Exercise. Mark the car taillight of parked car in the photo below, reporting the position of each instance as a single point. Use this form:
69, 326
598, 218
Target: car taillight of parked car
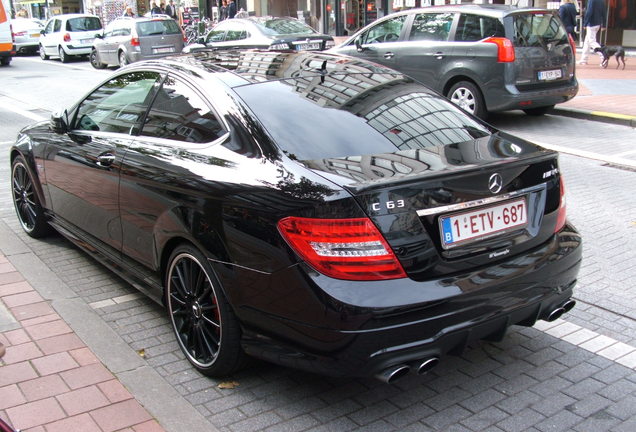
561, 214
350, 249
572, 44
67, 37
134, 39
505, 49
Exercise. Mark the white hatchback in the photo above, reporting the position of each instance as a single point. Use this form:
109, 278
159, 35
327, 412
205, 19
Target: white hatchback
69, 35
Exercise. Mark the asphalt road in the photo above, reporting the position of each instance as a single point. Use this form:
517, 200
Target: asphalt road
576, 374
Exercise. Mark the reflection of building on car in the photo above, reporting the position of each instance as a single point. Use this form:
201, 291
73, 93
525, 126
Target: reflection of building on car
483, 58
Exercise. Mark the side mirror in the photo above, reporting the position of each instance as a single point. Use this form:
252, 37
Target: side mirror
99, 36
59, 122
201, 40
42, 31
358, 43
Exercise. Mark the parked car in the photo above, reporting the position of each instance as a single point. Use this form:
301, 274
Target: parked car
265, 33
69, 35
7, 46
26, 32
314, 210
484, 58
127, 40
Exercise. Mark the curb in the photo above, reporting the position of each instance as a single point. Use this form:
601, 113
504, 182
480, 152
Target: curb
600, 116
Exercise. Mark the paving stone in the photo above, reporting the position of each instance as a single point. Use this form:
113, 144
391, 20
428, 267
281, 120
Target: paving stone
584, 388
624, 409
333, 411
225, 418
589, 405
369, 414
11, 396
342, 424
409, 415
618, 390
562, 421
518, 402
120, 415
44, 387
54, 363
551, 405
484, 419
258, 422
16, 373
296, 424
599, 421
446, 417
82, 400
579, 372
521, 421
35, 413
482, 400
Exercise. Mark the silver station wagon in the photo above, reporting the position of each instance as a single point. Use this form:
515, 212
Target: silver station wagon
127, 40
484, 58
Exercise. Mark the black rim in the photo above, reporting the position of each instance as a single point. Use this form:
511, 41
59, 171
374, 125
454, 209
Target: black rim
194, 311
24, 197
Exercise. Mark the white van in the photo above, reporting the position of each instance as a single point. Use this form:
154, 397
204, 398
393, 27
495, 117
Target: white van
7, 44
69, 35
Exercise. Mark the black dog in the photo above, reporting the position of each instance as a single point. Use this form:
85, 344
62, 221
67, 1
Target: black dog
614, 50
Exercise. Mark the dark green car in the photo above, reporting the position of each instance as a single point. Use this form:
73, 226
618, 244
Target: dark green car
484, 58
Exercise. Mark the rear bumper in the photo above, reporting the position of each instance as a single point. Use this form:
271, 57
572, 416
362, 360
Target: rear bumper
77, 49
362, 341
513, 98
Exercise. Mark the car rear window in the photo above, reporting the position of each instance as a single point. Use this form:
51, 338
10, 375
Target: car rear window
158, 27
537, 30
83, 24
275, 27
351, 115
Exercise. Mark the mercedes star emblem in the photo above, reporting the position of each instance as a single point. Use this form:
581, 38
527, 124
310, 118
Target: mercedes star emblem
495, 183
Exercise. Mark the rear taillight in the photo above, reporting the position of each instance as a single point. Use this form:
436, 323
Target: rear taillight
561, 214
572, 44
351, 249
19, 34
67, 37
134, 38
505, 49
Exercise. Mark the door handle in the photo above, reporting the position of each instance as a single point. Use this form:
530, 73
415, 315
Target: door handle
105, 159
439, 55
389, 55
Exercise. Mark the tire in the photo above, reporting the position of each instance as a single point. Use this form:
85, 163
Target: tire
95, 61
25, 200
64, 58
43, 55
467, 95
204, 324
538, 111
122, 59
5, 61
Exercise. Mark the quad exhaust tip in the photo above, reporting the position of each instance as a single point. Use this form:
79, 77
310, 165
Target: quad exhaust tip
393, 373
565, 307
420, 367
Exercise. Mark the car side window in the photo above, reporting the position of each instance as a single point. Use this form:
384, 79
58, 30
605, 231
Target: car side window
386, 31
119, 104
109, 30
472, 28
49, 27
431, 27
57, 25
233, 35
179, 113
215, 36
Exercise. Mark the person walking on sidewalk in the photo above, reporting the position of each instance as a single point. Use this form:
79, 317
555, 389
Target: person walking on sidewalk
567, 13
593, 21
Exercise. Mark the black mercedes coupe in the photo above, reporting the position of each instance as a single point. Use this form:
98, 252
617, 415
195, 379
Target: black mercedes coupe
313, 210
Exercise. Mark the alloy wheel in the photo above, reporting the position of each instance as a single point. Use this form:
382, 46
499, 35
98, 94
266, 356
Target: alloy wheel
464, 98
24, 197
193, 309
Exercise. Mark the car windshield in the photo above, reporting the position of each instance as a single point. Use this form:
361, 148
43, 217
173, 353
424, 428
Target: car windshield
158, 27
538, 29
283, 26
83, 24
357, 114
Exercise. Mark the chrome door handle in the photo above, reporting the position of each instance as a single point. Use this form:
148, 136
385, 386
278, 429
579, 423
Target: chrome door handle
389, 55
105, 159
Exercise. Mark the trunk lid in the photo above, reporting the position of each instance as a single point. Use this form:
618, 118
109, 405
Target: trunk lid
410, 196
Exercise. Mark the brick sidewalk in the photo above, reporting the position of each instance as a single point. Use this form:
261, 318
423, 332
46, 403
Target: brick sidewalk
49, 380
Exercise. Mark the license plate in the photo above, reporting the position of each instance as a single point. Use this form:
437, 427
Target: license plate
550, 75
86, 41
35, 35
308, 46
461, 228
162, 50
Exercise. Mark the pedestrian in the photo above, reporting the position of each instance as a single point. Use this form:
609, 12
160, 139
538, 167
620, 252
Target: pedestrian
242, 13
567, 13
593, 21
231, 9
162, 8
129, 12
155, 9
171, 10
223, 11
